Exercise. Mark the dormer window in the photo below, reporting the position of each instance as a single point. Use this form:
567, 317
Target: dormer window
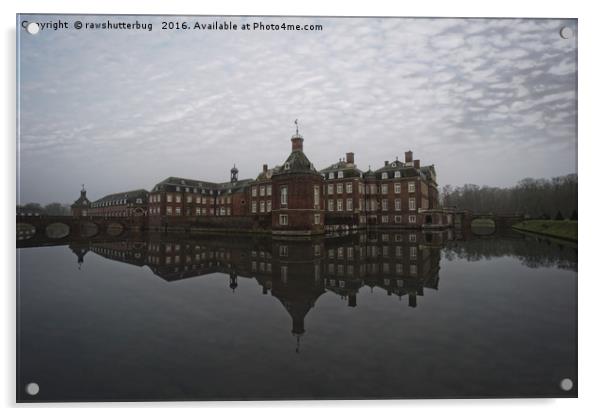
397, 174
340, 174
384, 175
287, 166
331, 175
394, 164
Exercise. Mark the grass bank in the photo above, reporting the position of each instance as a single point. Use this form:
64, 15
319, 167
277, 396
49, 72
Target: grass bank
564, 229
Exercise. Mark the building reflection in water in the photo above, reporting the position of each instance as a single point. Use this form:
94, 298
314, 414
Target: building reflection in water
296, 272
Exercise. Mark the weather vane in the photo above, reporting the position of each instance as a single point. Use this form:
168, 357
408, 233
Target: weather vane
82, 186
297, 125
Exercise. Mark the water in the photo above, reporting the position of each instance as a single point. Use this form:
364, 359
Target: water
380, 315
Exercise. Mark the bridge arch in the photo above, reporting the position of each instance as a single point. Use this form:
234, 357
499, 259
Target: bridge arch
57, 230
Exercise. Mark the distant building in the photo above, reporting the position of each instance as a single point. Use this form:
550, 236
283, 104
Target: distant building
81, 207
123, 204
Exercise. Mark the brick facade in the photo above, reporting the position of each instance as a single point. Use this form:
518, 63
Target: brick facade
294, 198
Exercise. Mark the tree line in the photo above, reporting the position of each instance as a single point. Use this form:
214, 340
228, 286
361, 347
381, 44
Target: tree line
554, 198
54, 208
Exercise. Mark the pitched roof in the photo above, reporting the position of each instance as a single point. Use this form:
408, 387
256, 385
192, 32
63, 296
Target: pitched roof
136, 193
349, 169
211, 186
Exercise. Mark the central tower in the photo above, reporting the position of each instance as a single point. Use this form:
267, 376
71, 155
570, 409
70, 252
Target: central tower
298, 202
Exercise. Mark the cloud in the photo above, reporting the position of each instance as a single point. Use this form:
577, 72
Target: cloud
120, 110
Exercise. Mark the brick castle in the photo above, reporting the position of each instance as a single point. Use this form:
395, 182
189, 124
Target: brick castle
289, 199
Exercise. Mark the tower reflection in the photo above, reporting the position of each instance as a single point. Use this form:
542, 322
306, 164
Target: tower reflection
296, 272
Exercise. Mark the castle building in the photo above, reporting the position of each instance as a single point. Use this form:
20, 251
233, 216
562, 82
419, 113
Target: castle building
123, 204
80, 208
292, 199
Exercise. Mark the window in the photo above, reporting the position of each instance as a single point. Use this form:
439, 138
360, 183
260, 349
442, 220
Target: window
268, 206
413, 253
283, 251
254, 191
268, 190
340, 174
360, 188
397, 188
283, 196
331, 175
411, 187
397, 174
384, 175
361, 204
198, 199
331, 205
412, 204
204, 200
317, 219
261, 206
168, 210
287, 166
384, 189
283, 219
330, 189
316, 196
384, 204
253, 207
398, 219
349, 204
384, 219
339, 204
178, 211
169, 198
198, 211
138, 200
178, 198
398, 204
189, 199
262, 191
284, 273
412, 239
178, 188
349, 187
412, 219
204, 211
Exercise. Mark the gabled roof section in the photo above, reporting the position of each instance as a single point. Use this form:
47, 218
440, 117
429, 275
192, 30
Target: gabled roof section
136, 193
348, 169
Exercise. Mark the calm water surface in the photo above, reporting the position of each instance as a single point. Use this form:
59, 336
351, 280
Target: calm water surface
379, 315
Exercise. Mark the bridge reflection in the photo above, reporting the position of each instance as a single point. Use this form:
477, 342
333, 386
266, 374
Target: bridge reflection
400, 264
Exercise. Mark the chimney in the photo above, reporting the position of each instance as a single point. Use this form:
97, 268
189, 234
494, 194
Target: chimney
386, 163
417, 164
409, 156
297, 142
265, 168
350, 157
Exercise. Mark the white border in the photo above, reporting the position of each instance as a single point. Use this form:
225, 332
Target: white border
590, 70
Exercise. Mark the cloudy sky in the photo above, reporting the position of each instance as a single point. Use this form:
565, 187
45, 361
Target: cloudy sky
488, 102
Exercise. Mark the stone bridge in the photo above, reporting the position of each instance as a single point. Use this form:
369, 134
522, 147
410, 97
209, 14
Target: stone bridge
50, 230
